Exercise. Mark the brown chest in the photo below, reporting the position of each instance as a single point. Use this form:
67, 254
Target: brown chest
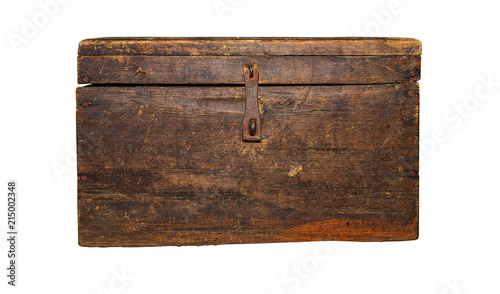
197, 141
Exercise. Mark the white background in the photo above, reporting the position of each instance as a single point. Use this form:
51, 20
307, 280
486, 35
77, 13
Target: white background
458, 249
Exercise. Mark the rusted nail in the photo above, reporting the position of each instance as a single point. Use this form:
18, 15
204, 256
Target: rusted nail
405, 116
252, 127
412, 93
85, 104
83, 177
85, 79
413, 174
413, 73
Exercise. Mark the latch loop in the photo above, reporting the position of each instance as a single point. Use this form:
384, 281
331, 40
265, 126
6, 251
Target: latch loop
251, 131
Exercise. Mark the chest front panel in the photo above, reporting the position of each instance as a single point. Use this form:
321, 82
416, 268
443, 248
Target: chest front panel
161, 160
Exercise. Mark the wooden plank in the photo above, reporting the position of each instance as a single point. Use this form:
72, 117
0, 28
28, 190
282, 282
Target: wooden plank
275, 70
250, 46
167, 166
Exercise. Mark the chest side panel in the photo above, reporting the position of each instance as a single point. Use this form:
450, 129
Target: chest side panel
167, 166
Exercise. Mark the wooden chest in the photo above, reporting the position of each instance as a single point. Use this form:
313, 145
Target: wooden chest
194, 141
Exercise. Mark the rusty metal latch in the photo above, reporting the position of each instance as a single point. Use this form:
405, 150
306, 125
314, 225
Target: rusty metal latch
251, 130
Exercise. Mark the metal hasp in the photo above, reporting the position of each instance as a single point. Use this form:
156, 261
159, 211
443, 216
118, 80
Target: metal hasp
251, 129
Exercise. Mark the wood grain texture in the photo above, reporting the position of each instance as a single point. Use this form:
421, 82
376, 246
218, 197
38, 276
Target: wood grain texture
250, 46
165, 165
274, 70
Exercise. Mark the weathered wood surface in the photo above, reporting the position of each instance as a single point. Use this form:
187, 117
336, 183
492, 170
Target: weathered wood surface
167, 166
250, 46
277, 70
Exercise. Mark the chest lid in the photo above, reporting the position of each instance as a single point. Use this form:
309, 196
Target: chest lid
223, 61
